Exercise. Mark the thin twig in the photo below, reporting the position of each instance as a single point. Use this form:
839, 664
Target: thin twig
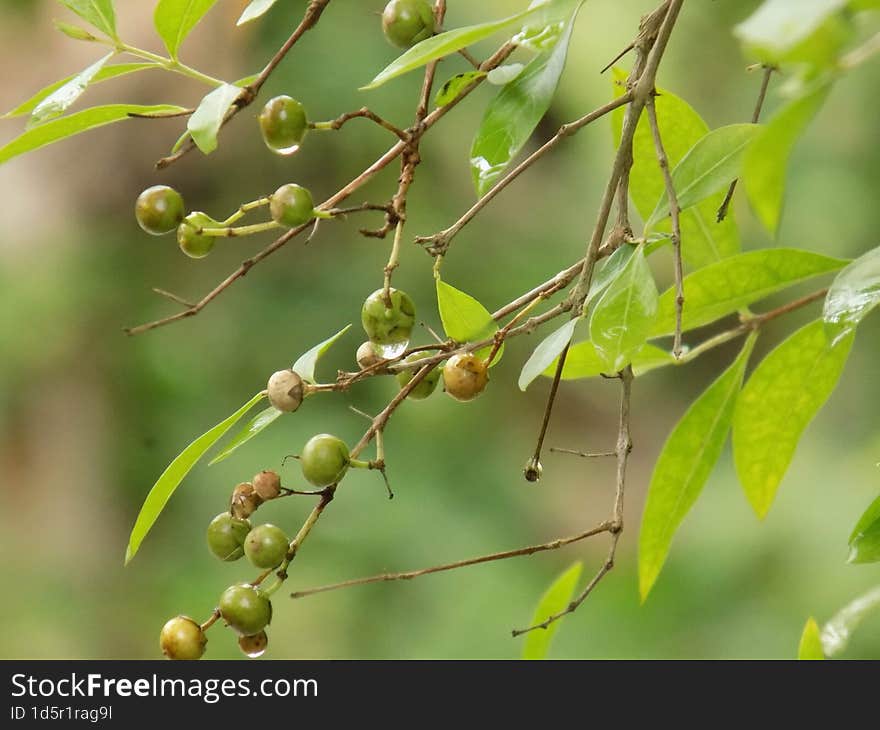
535, 463
362, 113
583, 454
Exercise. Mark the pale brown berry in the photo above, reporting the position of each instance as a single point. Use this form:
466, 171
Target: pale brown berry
367, 356
285, 390
244, 501
267, 484
182, 638
465, 376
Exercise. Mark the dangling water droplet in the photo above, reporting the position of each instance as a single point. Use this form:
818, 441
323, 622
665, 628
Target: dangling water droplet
389, 351
286, 151
255, 653
254, 646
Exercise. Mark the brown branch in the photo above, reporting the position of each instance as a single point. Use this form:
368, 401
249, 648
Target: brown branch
520, 552
756, 115
362, 113
533, 468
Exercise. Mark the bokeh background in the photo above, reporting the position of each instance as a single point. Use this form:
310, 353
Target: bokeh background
89, 417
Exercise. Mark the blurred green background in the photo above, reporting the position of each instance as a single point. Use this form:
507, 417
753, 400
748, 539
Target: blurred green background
89, 418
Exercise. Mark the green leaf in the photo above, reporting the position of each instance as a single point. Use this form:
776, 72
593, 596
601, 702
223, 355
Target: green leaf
105, 73
252, 428
512, 116
767, 157
174, 474
780, 399
584, 362
860, 5
555, 600
464, 318
624, 315
864, 543
305, 365
56, 103
452, 41
174, 19
778, 26
707, 168
837, 632
684, 466
810, 646
703, 239
58, 129
204, 124
450, 91
73, 31
610, 270
726, 287
853, 294
504, 74
255, 10
545, 353
99, 13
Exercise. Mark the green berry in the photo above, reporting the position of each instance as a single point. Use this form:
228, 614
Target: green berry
406, 22
266, 546
254, 646
245, 609
226, 536
182, 638
159, 210
426, 386
324, 460
465, 376
285, 390
194, 244
388, 325
284, 124
292, 205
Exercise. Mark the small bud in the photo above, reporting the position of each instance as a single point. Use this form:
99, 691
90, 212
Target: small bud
285, 390
244, 501
267, 484
533, 470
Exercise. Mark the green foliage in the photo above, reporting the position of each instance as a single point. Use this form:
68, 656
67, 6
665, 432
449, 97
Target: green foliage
546, 353
853, 294
64, 127
450, 90
624, 315
837, 632
174, 19
707, 168
464, 318
99, 13
810, 646
174, 474
728, 286
205, 122
56, 103
767, 157
255, 10
777, 404
306, 363
684, 466
584, 362
555, 600
254, 427
74, 31
512, 116
864, 542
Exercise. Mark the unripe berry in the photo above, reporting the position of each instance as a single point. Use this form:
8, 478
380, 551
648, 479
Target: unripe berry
254, 646
284, 124
406, 22
285, 390
388, 324
324, 460
194, 244
267, 484
266, 546
159, 210
182, 638
226, 535
465, 376
292, 205
426, 386
367, 355
245, 609
244, 501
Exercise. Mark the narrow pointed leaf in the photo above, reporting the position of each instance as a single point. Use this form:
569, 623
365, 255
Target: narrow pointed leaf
837, 632
105, 73
767, 157
450, 91
174, 474
726, 287
545, 353
464, 318
513, 114
73, 31
684, 466
708, 167
252, 428
777, 404
255, 10
610, 270
864, 543
810, 646
56, 103
204, 124
624, 315
306, 364
584, 362
63, 127
555, 600
99, 13
174, 19
853, 294
778, 26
